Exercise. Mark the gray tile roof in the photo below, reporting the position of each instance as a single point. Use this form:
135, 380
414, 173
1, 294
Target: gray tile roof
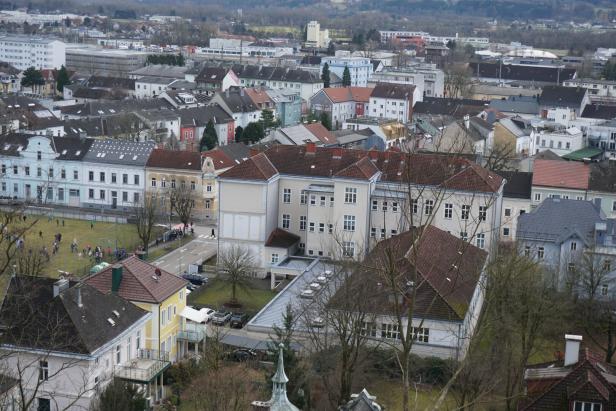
120, 152
516, 104
555, 220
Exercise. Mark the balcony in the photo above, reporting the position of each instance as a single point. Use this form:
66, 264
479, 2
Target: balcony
192, 332
148, 365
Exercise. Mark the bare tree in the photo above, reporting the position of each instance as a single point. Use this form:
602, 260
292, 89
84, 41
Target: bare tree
146, 215
236, 264
183, 201
457, 81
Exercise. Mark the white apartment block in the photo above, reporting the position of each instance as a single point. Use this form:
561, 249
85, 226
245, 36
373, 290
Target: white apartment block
25, 51
360, 68
561, 141
596, 88
315, 37
338, 203
429, 80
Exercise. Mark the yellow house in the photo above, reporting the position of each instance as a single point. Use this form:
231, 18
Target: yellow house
154, 290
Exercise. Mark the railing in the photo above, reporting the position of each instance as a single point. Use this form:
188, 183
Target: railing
192, 333
150, 354
145, 367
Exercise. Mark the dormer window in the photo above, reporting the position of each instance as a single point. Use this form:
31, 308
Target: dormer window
586, 406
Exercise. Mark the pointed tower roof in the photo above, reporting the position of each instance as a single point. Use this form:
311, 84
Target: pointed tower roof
280, 377
279, 400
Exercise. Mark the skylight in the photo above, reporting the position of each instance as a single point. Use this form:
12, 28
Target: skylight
110, 321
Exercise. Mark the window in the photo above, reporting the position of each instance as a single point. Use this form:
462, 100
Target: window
43, 404
382, 233
113, 178
483, 212
368, 329
373, 232
604, 289
136, 179
153, 182
91, 193
321, 227
349, 223
331, 201
540, 253
586, 406
527, 251
15, 170
313, 199
286, 221
102, 194
428, 207
302, 246
466, 211
350, 195
571, 267
286, 196
138, 340
537, 196
208, 188
506, 231
384, 205
573, 246
481, 240
375, 205
39, 172
124, 178
348, 248
135, 197
311, 227
420, 334
394, 207
163, 183
75, 175
579, 198
90, 175
38, 155
448, 210
119, 353
507, 212
125, 196
43, 370
390, 331
302, 223
322, 201
274, 259
330, 228
607, 265
414, 205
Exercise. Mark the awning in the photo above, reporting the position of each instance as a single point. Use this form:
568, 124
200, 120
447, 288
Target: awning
193, 315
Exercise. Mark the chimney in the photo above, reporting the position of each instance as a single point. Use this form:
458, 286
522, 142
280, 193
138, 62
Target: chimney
467, 121
116, 277
572, 348
59, 286
311, 148
337, 152
79, 302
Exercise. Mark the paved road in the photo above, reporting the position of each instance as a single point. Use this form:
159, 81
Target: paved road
178, 260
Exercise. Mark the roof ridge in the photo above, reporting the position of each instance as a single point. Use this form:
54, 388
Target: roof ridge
136, 277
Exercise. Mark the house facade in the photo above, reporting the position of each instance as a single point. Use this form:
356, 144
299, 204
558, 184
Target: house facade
394, 101
360, 68
341, 103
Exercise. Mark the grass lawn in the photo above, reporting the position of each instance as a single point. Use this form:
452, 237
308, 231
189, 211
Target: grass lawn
218, 292
104, 235
389, 395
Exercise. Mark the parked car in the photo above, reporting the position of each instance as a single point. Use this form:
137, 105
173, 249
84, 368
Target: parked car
238, 320
195, 279
221, 317
243, 354
209, 313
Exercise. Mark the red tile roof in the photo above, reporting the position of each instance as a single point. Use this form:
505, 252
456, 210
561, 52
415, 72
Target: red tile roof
138, 282
257, 167
320, 132
562, 174
362, 169
180, 160
344, 94
219, 158
426, 169
258, 96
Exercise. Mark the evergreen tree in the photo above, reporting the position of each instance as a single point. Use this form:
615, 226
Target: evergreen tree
609, 71
180, 60
297, 387
120, 395
239, 133
32, 78
325, 76
267, 119
325, 120
253, 132
209, 140
346, 77
62, 79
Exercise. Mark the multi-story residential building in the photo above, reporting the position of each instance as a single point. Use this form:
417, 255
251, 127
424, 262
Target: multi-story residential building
516, 201
393, 101
559, 179
168, 170
151, 87
360, 68
154, 290
429, 80
216, 162
112, 62
341, 103
27, 51
558, 139
65, 342
43, 169
603, 135
338, 202
559, 97
315, 37
238, 105
597, 89
562, 233
194, 120
601, 188
114, 173
305, 82
217, 79
288, 105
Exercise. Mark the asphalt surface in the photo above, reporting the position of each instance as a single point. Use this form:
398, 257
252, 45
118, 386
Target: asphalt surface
201, 247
